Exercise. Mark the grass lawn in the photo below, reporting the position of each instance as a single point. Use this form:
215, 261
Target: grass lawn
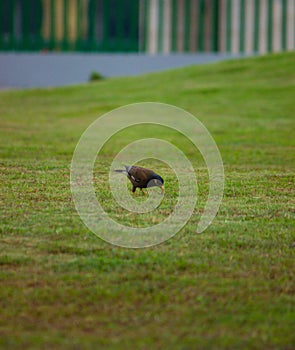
230, 287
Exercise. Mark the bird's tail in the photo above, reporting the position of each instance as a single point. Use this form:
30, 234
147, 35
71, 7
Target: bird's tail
123, 171
120, 171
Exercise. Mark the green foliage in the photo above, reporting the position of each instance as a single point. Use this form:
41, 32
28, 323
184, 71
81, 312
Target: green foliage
230, 287
95, 76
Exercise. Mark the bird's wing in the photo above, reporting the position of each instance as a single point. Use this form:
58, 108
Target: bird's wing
140, 175
133, 173
135, 179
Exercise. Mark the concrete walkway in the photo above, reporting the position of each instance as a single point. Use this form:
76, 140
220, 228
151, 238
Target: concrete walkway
25, 70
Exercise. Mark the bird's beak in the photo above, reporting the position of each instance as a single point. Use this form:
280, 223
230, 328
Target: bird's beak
163, 189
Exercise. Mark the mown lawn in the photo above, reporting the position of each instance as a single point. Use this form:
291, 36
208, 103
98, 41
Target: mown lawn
229, 287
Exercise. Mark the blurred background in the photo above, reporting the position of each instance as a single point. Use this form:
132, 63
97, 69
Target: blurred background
57, 42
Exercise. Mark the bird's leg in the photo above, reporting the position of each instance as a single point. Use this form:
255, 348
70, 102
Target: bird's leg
144, 193
134, 190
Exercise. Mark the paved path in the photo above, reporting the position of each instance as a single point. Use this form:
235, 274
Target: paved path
23, 70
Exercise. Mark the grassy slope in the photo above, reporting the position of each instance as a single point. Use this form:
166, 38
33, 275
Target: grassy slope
232, 286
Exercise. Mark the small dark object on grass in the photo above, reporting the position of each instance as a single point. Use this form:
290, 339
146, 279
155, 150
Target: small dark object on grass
142, 178
95, 76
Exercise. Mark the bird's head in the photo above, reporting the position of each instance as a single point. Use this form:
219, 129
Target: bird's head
156, 181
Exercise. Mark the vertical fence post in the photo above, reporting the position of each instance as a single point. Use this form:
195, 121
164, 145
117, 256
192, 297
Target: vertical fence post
160, 26
1, 25
6, 24
215, 25
65, 41
269, 26
256, 26
174, 25
106, 27
13, 25
141, 25
90, 16
78, 21
146, 20
26, 15
40, 39
119, 40
201, 28
134, 25
52, 25
187, 25
242, 26
284, 24
228, 25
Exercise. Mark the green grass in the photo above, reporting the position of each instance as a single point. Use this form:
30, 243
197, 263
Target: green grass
229, 287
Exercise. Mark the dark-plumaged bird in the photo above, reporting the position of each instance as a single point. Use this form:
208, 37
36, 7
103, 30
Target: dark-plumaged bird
142, 178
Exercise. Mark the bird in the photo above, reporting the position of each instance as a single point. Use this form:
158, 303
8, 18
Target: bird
142, 178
